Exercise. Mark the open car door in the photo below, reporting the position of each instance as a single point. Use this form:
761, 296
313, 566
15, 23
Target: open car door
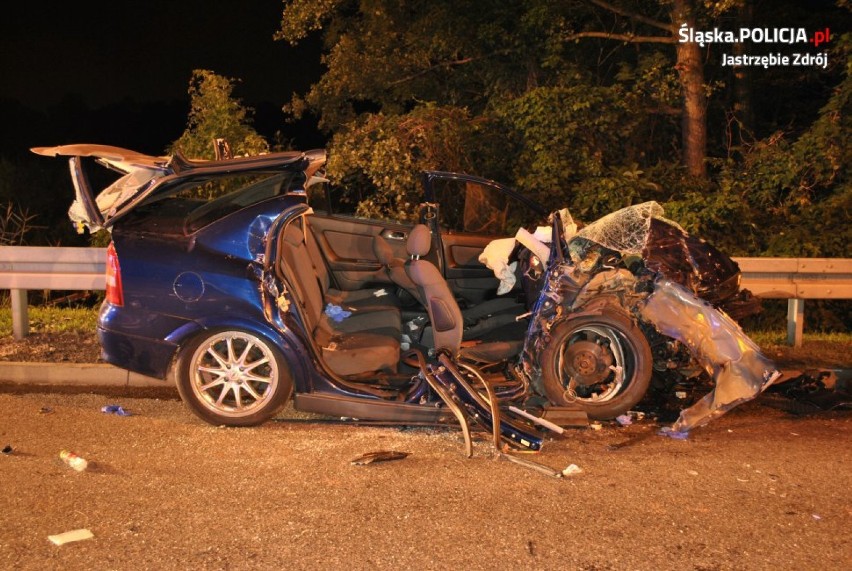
346, 238
465, 213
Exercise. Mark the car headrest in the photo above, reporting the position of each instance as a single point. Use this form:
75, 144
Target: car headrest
419, 241
382, 251
293, 235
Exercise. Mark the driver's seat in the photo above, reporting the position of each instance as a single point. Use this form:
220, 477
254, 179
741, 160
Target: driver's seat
444, 312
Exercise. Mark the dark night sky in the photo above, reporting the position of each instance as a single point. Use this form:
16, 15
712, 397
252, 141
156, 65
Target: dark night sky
108, 53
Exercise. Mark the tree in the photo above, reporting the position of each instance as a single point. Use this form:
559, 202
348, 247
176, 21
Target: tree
471, 54
689, 65
542, 116
215, 114
594, 104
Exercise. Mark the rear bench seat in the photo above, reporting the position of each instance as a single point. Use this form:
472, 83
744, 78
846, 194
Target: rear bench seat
366, 341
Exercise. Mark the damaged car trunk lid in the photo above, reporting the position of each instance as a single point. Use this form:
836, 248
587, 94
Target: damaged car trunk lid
142, 175
139, 173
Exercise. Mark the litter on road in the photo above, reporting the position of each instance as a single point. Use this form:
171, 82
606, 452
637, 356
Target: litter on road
71, 536
380, 456
115, 409
74, 461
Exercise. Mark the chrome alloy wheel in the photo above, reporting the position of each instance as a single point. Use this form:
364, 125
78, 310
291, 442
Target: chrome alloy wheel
233, 373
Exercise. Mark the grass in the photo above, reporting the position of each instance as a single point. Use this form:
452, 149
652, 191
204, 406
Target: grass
823, 350
45, 319
772, 338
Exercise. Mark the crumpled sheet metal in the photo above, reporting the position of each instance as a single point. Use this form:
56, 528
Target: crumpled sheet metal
739, 369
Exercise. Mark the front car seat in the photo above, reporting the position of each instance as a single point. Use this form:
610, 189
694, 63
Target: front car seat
444, 313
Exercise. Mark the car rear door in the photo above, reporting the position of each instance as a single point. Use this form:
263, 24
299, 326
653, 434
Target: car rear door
346, 238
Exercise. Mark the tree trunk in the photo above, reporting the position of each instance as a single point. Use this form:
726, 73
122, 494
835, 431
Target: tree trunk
742, 80
691, 69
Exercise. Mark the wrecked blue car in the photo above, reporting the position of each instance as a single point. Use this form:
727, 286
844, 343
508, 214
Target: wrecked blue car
251, 281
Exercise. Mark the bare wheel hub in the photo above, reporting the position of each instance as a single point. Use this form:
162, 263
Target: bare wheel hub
587, 362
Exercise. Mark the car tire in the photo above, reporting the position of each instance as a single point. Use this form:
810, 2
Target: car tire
232, 377
580, 365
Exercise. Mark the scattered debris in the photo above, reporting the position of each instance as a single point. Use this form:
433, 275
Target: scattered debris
73, 461
624, 419
672, 433
595, 425
538, 420
45, 410
380, 456
8, 449
571, 470
817, 517
115, 409
70, 536
541, 468
692, 472
565, 416
807, 392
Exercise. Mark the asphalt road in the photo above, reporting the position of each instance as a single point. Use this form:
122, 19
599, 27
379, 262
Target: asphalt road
757, 489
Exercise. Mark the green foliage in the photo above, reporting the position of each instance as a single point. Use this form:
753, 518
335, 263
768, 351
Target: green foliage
569, 138
304, 16
215, 114
800, 192
496, 89
387, 152
390, 55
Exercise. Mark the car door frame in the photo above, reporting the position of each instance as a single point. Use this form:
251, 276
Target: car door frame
458, 251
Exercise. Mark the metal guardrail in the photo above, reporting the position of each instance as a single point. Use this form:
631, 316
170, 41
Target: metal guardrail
796, 279
24, 268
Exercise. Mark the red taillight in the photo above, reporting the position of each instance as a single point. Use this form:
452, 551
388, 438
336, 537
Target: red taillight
114, 293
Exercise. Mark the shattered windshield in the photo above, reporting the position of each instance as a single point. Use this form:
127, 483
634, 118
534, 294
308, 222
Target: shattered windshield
626, 230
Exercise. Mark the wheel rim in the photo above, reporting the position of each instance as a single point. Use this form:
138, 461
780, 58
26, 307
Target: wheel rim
234, 373
594, 365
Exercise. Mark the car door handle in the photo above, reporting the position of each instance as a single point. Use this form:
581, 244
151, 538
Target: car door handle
394, 235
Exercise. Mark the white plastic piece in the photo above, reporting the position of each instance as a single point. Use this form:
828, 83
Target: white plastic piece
536, 246
495, 256
572, 470
70, 536
538, 420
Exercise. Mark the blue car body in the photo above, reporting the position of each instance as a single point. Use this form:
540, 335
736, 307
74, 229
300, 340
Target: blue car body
183, 275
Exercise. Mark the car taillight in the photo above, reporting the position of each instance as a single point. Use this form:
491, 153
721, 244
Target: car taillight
114, 293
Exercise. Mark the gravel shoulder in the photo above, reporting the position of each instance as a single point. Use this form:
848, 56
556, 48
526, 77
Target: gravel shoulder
755, 489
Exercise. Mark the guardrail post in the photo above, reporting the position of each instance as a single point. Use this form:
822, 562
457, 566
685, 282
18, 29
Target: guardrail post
795, 321
20, 318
